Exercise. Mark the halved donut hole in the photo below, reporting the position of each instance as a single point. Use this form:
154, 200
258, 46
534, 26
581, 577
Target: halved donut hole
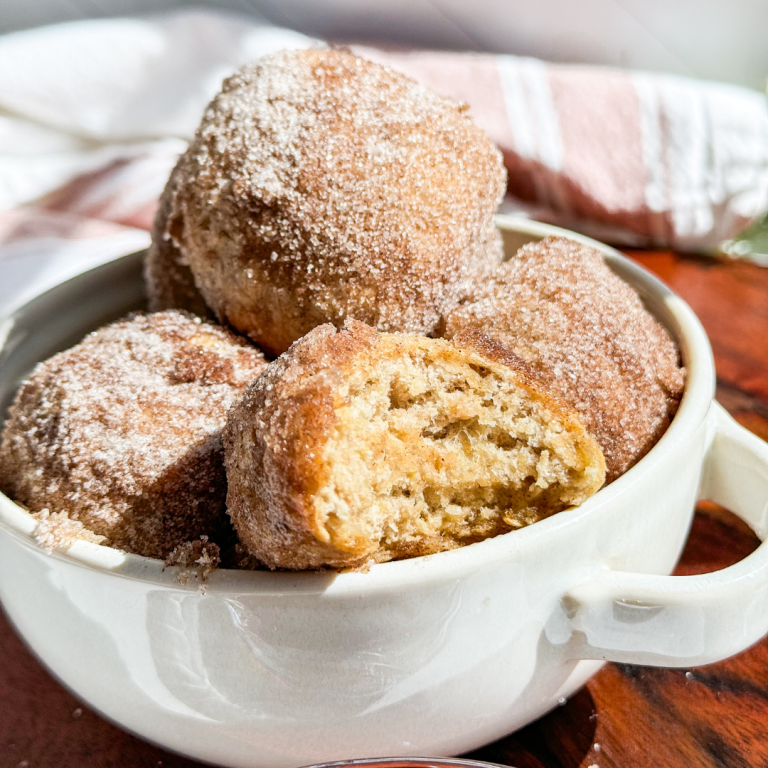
436, 451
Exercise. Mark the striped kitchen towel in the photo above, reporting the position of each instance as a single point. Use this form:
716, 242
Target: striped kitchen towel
629, 157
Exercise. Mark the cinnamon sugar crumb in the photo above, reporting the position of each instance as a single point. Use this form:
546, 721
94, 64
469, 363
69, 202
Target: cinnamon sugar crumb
200, 558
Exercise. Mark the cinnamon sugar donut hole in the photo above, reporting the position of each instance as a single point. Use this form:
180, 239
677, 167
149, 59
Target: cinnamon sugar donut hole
356, 447
322, 186
123, 431
587, 335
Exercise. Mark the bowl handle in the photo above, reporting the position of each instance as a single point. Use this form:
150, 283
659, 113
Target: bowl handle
681, 621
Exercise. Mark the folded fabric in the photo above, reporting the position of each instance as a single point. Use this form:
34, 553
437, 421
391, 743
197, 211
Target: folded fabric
93, 115
628, 157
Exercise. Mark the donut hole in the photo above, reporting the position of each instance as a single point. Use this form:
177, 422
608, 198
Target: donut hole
348, 189
436, 452
584, 332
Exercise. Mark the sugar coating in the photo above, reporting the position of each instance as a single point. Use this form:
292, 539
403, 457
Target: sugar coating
169, 280
585, 332
122, 433
321, 186
57, 532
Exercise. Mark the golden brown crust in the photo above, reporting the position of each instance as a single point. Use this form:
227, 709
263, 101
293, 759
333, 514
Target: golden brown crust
169, 280
322, 186
123, 431
491, 348
299, 495
586, 335
276, 433
487, 346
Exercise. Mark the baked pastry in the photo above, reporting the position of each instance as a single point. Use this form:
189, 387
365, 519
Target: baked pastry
585, 332
322, 186
169, 281
123, 431
357, 447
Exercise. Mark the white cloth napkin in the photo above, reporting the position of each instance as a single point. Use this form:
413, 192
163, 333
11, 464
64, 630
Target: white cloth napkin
94, 114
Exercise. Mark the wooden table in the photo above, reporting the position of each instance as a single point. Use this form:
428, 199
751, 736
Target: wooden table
626, 716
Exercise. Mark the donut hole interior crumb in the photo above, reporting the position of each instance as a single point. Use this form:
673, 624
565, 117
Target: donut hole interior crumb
431, 447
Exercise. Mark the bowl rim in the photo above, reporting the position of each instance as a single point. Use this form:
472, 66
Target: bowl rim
410, 573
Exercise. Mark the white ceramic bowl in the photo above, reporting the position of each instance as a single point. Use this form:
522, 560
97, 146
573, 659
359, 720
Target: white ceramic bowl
435, 655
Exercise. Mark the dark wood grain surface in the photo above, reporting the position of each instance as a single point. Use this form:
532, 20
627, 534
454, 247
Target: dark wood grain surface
626, 716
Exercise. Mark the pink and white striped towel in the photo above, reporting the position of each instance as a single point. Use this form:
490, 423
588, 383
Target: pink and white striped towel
629, 157
94, 114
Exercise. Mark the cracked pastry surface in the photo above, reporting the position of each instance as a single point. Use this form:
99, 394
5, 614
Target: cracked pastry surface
587, 335
357, 447
122, 433
321, 186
